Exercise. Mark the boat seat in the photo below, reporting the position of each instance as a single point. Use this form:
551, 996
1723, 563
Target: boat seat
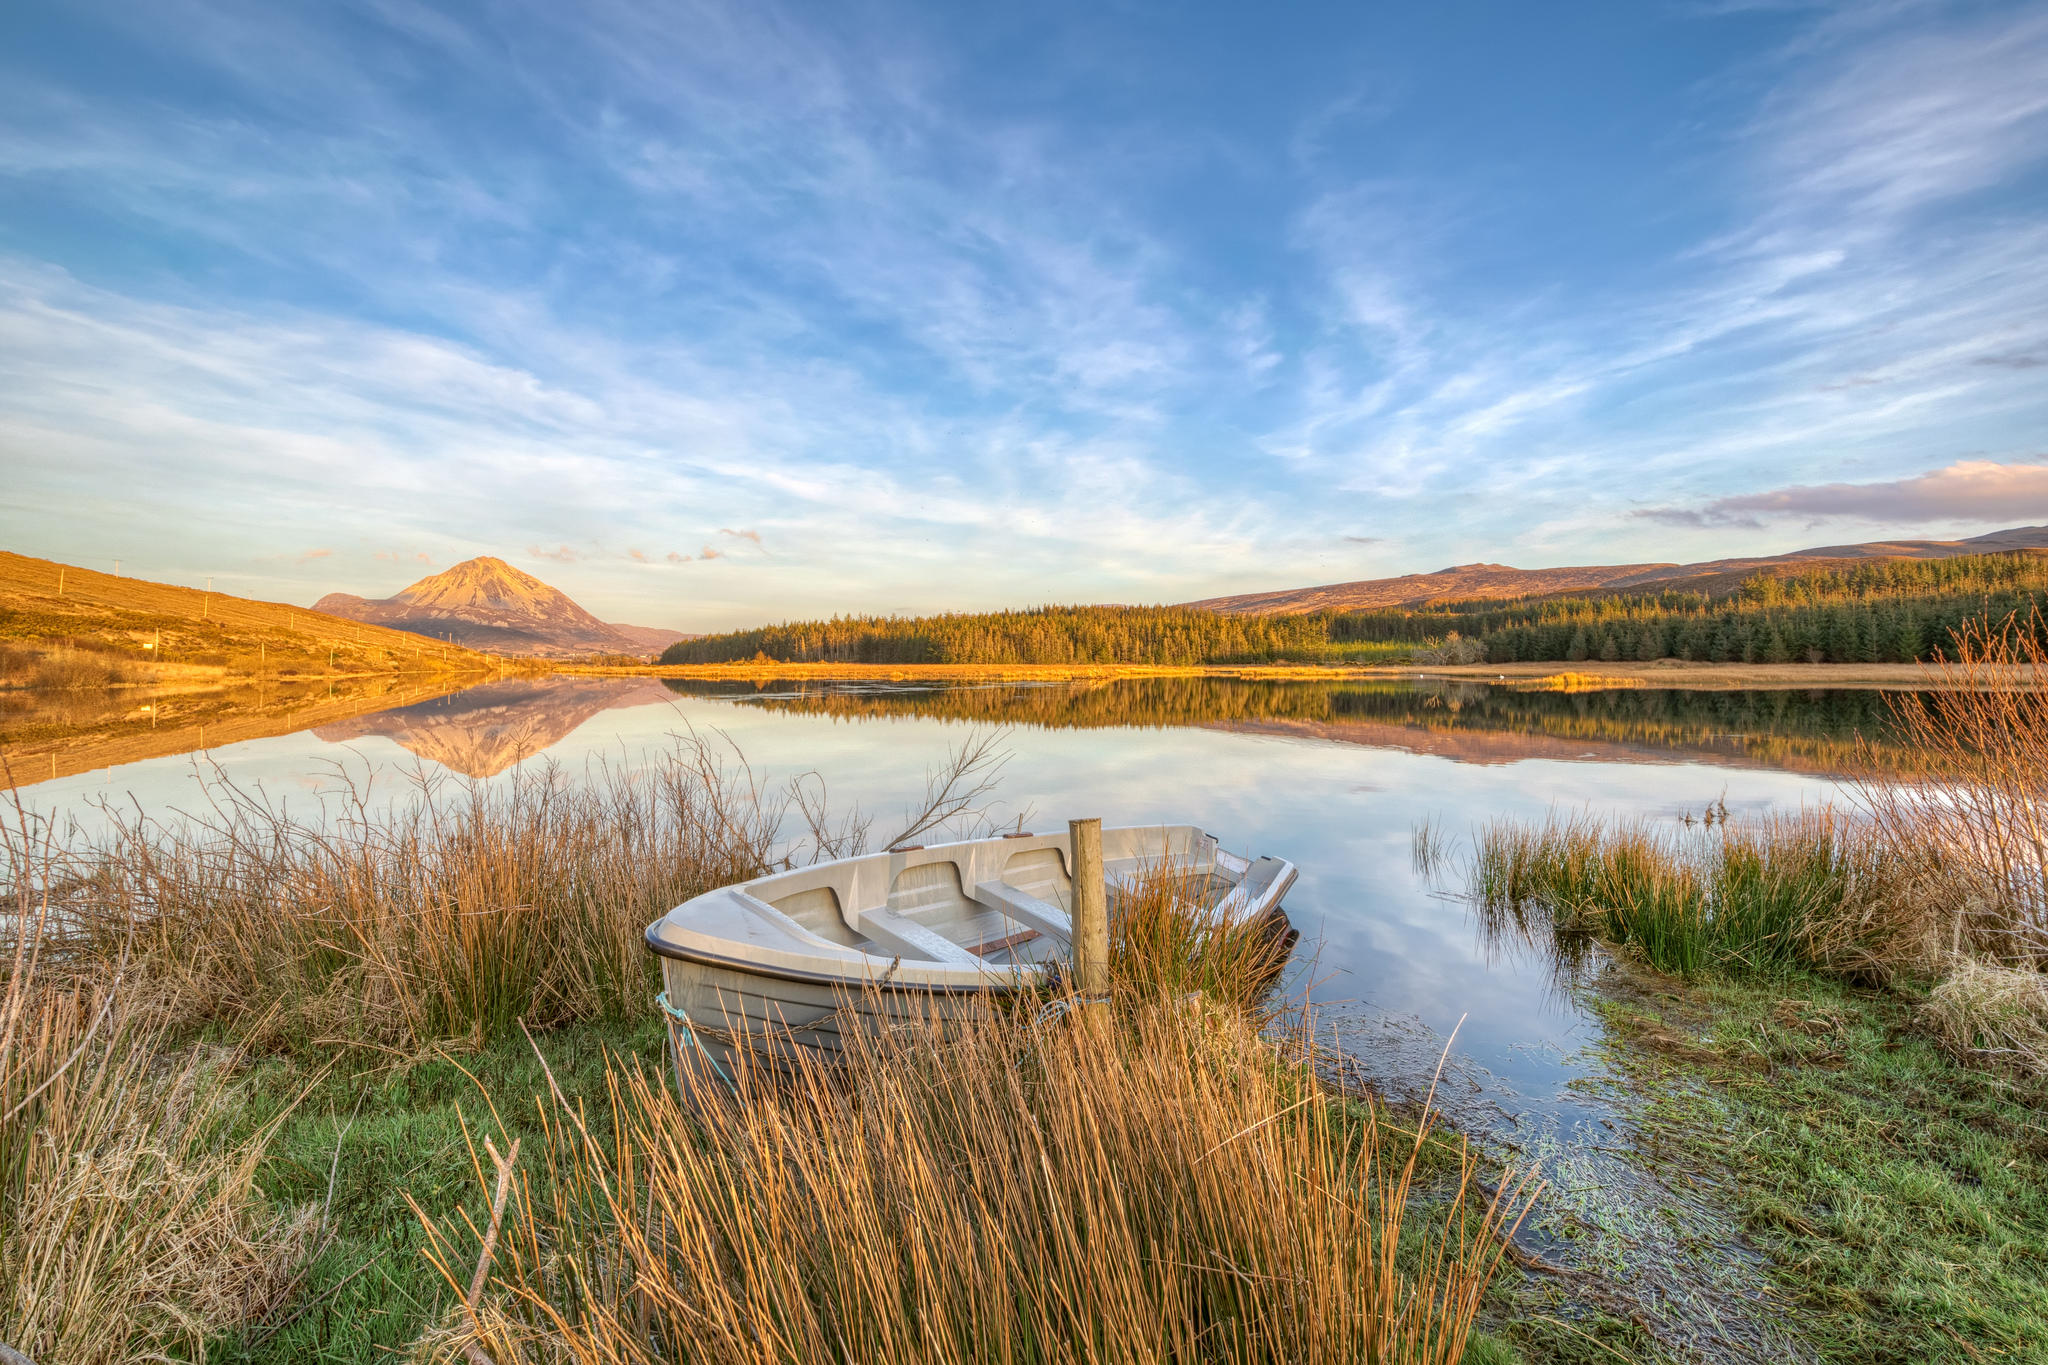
1026, 909
1253, 885
908, 938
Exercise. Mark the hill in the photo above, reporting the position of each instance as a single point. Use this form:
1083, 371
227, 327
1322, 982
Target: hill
63, 625
1496, 582
485, 603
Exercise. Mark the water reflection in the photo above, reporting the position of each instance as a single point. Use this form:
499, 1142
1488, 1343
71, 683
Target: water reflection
1817, 731
482, 731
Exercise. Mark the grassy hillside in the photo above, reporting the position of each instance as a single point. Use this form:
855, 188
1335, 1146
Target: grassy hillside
67, 627
1884, 611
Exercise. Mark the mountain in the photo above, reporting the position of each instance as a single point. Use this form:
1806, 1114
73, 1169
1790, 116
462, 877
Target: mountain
1469, 582
485, 603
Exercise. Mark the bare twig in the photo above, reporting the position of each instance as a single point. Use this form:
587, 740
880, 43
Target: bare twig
483, 1261
971, 772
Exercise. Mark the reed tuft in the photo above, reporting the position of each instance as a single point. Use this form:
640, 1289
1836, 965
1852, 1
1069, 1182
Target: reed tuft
1148, 1183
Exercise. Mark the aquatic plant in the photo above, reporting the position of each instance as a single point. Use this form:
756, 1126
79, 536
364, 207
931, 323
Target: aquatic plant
1741, 897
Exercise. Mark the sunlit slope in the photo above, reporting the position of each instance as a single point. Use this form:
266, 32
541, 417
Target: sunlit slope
138, 631
1500, 582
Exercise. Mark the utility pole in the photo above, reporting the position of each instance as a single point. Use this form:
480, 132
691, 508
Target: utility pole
117, 568
60, 581
203, 601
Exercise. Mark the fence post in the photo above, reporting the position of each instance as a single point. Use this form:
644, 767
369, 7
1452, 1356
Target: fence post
1091, 908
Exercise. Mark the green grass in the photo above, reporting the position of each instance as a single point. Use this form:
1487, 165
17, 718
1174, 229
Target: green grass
401, 1130
1902, 1200
1737, 899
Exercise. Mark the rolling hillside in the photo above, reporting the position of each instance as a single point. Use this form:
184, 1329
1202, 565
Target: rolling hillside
58, 617
1492, 582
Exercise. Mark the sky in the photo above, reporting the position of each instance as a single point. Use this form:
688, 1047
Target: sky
717, 314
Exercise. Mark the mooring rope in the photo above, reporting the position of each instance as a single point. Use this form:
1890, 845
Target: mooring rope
678, 1022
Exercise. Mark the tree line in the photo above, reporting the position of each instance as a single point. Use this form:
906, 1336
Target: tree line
1888, 611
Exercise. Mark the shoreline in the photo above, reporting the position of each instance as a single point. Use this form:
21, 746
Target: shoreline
1590, 676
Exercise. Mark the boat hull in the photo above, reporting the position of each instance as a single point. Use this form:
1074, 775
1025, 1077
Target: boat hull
784, 968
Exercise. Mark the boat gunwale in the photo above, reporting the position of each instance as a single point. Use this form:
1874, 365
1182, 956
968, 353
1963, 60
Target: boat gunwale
996, 978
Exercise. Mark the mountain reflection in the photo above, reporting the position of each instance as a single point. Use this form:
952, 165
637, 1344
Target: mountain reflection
483, 730
1817, 731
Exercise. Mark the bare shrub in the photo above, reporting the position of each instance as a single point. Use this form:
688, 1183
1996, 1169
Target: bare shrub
1452, 649
1966, 820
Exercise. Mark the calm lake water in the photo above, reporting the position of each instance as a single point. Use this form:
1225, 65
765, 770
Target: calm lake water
1334, 776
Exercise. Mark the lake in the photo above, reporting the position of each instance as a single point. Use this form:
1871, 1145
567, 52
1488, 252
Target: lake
1335, 776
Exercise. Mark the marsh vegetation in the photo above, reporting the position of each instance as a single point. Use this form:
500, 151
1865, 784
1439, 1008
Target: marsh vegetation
251, 1062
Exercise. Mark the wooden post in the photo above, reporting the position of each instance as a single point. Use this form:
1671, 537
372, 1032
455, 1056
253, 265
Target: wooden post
1090, 908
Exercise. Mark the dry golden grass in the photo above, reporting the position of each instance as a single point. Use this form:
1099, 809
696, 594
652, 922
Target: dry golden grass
1144, 1184
1970, 816
130, 1221
449, 915
1578, 682
1988, 1015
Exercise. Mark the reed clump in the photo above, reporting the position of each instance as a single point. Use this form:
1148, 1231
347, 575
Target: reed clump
1172, 934
131, 1224
1936, 880
448, 912
1742, 897
62, 667
1147, 1183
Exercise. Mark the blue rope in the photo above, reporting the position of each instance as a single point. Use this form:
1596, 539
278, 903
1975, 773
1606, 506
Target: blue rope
680, 1022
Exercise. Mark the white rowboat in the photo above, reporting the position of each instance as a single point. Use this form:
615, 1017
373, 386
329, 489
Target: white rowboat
786, 958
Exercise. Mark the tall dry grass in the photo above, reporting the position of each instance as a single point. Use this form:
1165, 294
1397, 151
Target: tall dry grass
449, 913
1169, 937
62, 667
131, 1225
1146, 1183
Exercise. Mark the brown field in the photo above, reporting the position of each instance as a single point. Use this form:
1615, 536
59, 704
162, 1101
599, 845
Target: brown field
156, 633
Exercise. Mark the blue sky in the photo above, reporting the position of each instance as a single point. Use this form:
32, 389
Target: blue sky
715, 313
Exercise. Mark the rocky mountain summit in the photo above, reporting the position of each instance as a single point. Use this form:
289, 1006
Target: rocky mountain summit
487, 604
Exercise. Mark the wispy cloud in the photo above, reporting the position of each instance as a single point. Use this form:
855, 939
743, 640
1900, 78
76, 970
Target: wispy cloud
610, 277
1969, 490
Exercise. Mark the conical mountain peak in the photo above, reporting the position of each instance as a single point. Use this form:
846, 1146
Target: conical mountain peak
486, 603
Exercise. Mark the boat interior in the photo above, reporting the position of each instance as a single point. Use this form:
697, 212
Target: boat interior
981, 903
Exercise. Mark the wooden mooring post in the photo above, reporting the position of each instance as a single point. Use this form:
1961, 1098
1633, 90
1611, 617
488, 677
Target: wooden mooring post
1091, 908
